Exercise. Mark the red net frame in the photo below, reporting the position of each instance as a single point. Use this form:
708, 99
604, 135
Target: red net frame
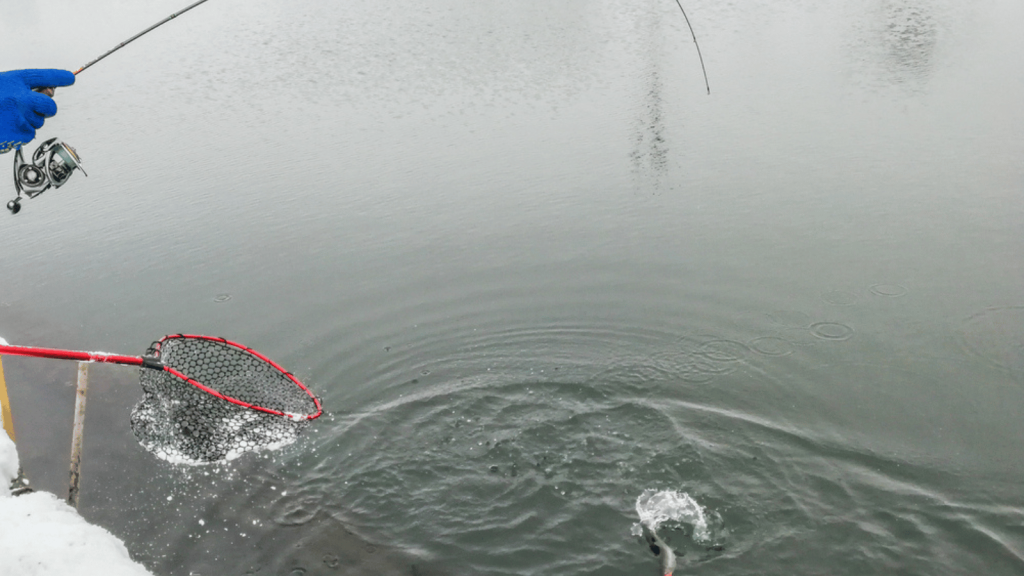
155, 351
206, 399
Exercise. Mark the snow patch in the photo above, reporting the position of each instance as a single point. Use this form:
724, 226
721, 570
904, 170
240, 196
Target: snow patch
43, 536
8, 464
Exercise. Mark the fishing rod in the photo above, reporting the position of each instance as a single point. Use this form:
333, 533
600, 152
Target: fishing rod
139, 35
53, 163
699, 56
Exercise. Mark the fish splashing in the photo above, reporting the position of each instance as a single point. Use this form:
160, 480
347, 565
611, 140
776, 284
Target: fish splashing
655, 507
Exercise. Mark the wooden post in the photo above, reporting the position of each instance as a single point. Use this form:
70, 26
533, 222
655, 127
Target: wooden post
76, 438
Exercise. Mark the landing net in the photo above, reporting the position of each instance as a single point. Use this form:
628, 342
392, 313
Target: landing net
216, 400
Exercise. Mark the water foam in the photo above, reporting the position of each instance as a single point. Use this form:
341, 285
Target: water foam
655, 507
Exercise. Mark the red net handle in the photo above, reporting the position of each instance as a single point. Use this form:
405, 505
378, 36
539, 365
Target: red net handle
70, 355
81, 356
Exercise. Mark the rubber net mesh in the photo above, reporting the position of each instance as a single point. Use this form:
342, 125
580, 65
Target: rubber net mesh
181, 423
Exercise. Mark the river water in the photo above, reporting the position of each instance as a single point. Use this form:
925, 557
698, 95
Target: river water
534, 270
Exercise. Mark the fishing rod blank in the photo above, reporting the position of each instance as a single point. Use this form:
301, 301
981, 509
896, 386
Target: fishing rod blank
704, 70
140, 34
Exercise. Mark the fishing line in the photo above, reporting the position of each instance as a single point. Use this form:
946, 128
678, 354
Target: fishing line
699, 56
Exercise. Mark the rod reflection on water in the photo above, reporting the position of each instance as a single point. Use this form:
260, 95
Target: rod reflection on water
896, 42
650, 153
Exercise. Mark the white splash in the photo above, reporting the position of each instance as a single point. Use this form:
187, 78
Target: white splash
657, 506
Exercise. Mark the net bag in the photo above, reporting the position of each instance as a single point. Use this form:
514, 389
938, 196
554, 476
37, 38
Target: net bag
210, 400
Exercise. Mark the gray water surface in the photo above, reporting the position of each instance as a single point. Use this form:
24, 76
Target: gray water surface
533, 269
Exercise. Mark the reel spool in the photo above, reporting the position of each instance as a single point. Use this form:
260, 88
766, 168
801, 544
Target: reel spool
52, 164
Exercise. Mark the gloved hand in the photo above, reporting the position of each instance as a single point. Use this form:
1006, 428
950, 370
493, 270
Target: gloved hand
23, 111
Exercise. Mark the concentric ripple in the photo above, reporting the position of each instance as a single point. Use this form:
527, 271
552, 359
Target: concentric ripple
771, 346
889, 290
831, 331
722, 350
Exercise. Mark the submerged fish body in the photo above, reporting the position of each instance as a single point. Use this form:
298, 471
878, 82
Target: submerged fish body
662, 551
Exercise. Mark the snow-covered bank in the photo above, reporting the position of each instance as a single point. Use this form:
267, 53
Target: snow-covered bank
40, 535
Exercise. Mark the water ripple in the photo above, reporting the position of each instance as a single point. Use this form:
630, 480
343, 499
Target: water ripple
832, 331
888, 290
771, 346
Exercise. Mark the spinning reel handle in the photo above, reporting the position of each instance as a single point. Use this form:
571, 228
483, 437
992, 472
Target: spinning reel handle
47, 90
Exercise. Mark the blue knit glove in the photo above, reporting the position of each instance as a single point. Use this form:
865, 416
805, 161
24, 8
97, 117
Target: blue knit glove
23, 111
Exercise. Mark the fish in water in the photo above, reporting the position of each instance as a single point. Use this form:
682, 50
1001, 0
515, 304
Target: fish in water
661, 551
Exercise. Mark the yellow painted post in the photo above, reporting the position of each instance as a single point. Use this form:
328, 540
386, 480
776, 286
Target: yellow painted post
20, 484
5, 405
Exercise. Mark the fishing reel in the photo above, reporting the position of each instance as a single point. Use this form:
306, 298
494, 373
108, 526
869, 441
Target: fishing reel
52, 164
